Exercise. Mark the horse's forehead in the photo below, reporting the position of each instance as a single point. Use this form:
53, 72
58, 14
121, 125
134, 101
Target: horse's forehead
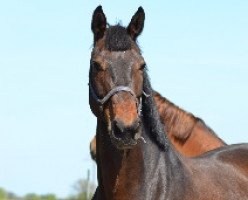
115, 56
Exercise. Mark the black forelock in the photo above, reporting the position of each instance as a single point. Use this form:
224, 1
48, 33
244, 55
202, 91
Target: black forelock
117, 39
152, 118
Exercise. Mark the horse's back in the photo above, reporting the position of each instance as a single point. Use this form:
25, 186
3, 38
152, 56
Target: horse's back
221, 173
235, 156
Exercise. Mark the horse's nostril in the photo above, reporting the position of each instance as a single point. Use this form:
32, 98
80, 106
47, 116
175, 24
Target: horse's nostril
118, 129
121, 131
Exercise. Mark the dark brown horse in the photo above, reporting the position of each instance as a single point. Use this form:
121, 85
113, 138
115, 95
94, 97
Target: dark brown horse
135, 159
189, 134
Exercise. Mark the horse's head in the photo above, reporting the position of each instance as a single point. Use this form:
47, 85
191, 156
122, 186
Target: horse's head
116, 77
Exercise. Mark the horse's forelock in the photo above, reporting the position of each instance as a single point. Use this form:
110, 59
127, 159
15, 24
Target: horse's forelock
117, 39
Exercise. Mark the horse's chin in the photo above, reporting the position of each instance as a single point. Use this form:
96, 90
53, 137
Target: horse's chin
122, 144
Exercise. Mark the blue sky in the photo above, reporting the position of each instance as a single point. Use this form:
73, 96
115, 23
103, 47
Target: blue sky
196, 52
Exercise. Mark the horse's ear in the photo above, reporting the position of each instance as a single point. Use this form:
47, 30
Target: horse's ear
98, 23
136, 25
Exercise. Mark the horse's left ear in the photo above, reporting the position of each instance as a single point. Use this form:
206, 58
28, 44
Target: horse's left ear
98, 23
137, 24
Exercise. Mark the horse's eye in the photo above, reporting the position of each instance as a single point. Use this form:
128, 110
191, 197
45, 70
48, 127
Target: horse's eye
96, 65
143, 66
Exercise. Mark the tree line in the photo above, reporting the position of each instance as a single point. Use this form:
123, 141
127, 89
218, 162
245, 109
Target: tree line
84, 190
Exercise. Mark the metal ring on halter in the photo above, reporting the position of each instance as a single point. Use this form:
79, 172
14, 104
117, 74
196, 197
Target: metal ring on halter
145, 94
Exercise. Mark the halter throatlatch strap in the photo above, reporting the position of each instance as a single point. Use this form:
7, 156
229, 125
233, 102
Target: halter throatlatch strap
112, 92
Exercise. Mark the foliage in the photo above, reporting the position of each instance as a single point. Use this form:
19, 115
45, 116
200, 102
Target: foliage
84, 190
48, 197
3, 194
31, 196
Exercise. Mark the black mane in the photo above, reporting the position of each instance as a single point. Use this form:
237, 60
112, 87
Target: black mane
117, 39
151, 116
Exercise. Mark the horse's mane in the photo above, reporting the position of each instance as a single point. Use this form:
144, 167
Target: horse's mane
151, 116
178, 122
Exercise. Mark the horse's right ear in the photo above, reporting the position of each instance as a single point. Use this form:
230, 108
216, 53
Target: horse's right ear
136, 25
98, 23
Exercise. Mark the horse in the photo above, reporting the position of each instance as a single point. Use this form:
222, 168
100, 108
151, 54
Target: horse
189, 134
135, 159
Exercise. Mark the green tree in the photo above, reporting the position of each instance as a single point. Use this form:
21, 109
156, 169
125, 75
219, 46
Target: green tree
31, 196
12, 196
48, 197
84, 189
3, 194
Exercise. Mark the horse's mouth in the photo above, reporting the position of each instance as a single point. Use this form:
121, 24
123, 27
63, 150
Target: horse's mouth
123, 143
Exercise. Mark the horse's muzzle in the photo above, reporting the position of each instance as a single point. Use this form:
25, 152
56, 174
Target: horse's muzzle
125, 137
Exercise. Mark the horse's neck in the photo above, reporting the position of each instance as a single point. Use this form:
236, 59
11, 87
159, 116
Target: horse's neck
138, 173
186, 131
178, 123
200, 133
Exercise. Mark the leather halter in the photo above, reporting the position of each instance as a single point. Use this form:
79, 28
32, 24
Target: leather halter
112, 92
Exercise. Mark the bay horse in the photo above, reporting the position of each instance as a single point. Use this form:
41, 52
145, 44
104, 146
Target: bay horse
135, 159
189, 134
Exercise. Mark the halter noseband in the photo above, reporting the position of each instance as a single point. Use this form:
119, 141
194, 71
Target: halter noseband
112, 92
